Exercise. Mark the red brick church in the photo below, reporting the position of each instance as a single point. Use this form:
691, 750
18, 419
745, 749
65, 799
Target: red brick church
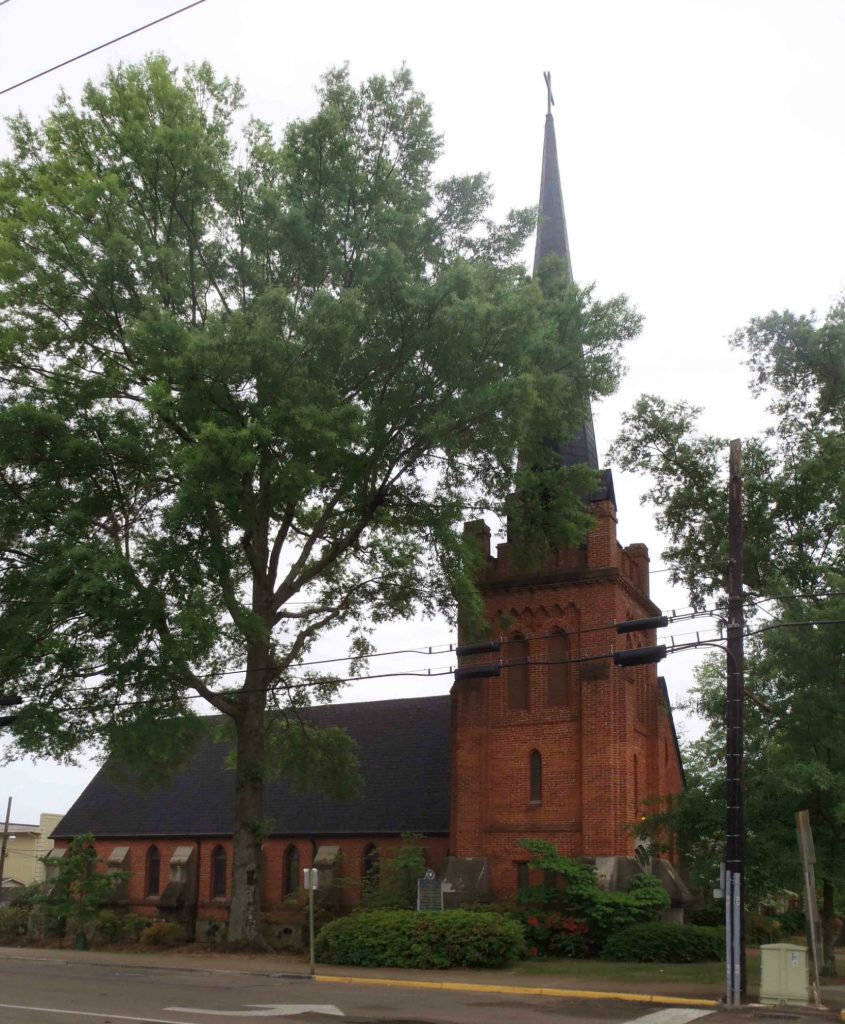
560, 746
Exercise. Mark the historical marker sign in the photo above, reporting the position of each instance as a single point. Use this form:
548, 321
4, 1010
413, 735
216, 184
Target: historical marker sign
429, 892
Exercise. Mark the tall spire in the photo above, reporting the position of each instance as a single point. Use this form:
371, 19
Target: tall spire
552, 239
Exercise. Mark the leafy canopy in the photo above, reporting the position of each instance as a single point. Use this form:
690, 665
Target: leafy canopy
249, 387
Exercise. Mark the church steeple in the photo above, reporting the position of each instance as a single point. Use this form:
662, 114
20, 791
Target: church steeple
552, 239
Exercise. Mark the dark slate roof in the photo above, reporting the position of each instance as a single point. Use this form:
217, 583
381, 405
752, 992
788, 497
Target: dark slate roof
403, 750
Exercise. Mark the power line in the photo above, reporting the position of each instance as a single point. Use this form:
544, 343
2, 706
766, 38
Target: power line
101, 46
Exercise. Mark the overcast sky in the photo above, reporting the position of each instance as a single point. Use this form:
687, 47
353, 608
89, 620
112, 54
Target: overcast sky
702, 157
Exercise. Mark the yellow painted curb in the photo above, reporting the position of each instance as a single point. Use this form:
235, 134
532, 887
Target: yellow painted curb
519, 990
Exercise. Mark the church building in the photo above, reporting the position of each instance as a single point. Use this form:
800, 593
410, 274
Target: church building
561, 745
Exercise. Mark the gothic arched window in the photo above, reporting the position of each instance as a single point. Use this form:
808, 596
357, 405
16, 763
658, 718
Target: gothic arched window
153, 873
370, 866
219, 868
517, 674
535, 777
290, 871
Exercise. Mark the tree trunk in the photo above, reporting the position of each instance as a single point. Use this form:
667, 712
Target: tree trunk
245, 907
828, 964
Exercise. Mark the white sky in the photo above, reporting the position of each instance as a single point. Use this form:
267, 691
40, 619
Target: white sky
701, 150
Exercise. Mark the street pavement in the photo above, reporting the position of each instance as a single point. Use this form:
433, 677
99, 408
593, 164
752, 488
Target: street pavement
40, 986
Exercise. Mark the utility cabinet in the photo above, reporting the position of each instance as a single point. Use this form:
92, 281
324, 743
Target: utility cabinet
784, 974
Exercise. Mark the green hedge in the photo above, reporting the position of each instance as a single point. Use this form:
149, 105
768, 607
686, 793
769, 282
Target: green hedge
666, 943
406, 938
13, 923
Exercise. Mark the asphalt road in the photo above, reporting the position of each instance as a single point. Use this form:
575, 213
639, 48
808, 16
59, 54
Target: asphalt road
39, 992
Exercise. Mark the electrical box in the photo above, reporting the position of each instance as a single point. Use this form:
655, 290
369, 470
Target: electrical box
784, 974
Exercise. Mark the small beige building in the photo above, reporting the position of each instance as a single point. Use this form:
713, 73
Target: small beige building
25, 847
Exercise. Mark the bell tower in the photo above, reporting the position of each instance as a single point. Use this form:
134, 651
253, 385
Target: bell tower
562, 745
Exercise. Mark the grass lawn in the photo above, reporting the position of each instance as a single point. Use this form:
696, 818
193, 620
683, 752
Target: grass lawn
607, 971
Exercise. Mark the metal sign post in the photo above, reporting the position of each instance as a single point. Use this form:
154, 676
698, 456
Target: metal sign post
311, 878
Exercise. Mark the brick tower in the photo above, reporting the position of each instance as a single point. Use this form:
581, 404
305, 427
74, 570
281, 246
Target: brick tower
560, 747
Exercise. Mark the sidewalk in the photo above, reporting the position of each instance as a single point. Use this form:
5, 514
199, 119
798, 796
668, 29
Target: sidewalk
503, 981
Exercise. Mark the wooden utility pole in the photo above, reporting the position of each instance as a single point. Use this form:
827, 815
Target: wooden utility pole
735, 723
3, 845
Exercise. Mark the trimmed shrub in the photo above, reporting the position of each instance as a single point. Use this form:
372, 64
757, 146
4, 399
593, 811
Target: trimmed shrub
711, 915
132, 926
163, 933
792, 922
760, 929
13, 923
575, 894
105, 928
666, 943
406, 938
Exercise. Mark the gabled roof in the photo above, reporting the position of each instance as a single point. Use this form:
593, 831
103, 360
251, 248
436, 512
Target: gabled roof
403, 750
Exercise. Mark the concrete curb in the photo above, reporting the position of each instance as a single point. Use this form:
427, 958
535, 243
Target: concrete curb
521, 990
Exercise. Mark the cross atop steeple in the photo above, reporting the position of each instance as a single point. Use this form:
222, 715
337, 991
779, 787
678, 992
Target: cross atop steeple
551, 222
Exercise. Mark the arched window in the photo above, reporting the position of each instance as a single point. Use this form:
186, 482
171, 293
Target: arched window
290, 871
370, 866
535, 777
559, 670
218, 872
153, 871
518, 674
521, 874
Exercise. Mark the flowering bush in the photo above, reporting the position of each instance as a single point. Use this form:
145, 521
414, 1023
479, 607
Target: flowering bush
571, 915
552, 933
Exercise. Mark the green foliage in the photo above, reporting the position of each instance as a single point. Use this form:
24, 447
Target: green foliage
78, 892
584, 910
405, 938
399, 869
132, 926
550, 933
106, 927
251, 385
163, 933
13, 924
794, 560
216, 934
792, 922
761, 929
665, 943
26, 896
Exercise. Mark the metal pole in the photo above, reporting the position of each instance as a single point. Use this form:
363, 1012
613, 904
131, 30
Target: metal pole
311, 880
3, 845
729, 946
735, 853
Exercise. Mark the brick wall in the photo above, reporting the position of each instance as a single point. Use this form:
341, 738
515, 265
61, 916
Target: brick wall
211, 908
605, 754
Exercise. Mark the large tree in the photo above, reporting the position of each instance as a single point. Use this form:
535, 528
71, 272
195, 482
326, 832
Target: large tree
795, 570
249, 389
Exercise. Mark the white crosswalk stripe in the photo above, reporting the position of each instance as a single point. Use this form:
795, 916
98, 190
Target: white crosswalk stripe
671, 1015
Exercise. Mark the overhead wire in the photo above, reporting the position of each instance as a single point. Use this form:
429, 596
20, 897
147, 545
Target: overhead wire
101, 46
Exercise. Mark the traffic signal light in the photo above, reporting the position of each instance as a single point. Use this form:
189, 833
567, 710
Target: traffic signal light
639, 656
8, 701
634, 625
